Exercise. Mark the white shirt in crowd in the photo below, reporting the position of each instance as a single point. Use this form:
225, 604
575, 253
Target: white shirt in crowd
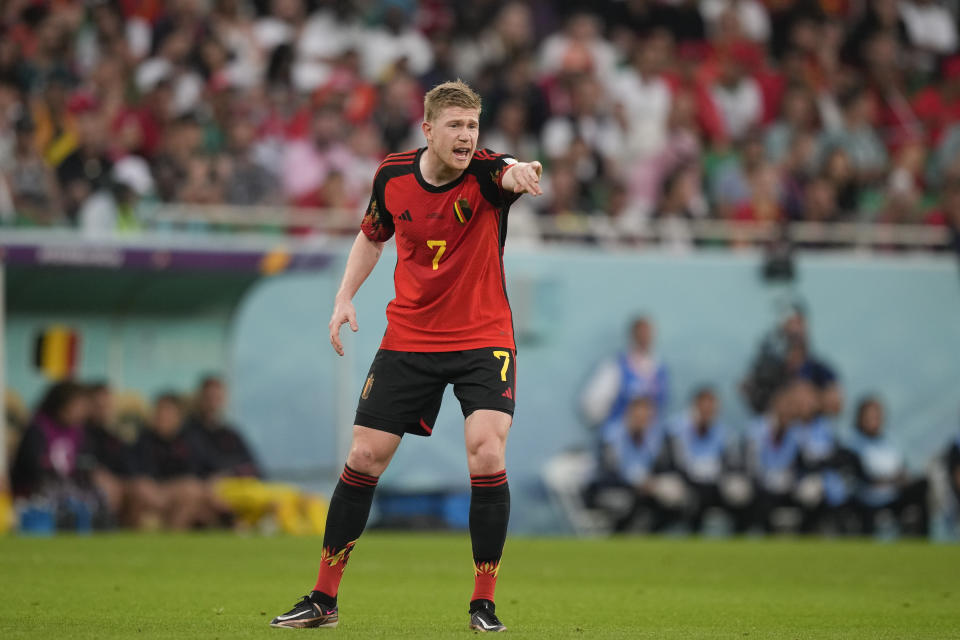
751, 15
930, 25
646, 102
741, 106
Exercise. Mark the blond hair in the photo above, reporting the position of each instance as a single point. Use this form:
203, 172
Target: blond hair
456, 93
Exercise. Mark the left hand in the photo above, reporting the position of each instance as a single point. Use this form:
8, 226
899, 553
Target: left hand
525, 178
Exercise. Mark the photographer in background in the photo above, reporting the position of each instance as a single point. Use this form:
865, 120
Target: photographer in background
785, 355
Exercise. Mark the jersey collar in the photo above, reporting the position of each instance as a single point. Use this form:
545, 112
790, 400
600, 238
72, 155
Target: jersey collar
426, 185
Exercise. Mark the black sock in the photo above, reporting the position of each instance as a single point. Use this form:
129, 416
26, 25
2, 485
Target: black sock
349, 508
489, 513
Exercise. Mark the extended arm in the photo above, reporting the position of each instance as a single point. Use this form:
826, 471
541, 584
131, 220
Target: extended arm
523, 177
363, 257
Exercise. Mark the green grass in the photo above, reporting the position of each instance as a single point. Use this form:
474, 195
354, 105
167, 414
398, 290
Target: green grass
416, 586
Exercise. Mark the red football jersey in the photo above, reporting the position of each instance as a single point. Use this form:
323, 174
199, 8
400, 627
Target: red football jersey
450, 288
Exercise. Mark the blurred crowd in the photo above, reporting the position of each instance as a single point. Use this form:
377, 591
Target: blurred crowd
790, 468
86, 461
647, 112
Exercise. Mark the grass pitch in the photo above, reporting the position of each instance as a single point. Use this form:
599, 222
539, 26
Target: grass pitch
417, 586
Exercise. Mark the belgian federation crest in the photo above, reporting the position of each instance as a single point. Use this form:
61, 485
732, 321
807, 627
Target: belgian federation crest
366, 387
462, 210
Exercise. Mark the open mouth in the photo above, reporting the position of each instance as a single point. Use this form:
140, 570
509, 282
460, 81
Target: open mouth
461, 153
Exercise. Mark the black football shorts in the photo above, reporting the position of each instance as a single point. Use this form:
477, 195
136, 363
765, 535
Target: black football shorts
403, 390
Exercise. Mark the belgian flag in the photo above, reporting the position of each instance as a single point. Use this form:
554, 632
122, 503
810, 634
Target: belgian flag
56, 352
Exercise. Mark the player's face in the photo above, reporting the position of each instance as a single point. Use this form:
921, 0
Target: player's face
167, 419
453, 136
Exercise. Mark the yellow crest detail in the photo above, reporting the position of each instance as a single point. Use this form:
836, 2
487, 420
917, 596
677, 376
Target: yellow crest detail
366, 387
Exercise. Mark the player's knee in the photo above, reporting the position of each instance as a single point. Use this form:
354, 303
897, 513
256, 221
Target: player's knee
486, 457
367, 459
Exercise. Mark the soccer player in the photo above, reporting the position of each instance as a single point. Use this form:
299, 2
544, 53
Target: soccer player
450, 323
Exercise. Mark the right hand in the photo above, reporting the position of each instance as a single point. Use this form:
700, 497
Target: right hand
343, 312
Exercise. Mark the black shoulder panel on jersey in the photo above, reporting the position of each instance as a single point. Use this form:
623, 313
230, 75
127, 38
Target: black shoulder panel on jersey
486, 166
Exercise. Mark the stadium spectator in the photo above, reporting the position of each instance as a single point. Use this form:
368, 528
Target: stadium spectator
857, 135
222, 449
246, 181
579, 46
734, 181
930, 26
884, 484
30, 183
53, 463
797, 171
636, 457
819, 203
644, 97
647, 177
637, 371
511, 130
169, 468
509, 38
677, 207
87, 168
588, 133
905, 185
115, 206
395, 43
797, 117
701, 452
751, 15
879, 16
838, 169
763, 207
518, 82
737, 93
263, 81
938, 107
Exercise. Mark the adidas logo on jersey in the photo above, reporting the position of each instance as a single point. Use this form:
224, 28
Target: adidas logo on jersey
406, 216
508, 393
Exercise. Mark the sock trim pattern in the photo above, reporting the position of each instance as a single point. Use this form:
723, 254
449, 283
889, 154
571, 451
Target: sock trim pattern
492, 480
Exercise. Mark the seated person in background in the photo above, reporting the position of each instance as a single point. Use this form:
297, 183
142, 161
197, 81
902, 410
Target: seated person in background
773, 460
953, 467
823, 490
172, 493
53, 461
882, 480
636, 457
224, 451
113, 462
236, 479
699, 447
634, 372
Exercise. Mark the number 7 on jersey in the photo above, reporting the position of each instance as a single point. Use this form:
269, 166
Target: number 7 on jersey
440, 246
